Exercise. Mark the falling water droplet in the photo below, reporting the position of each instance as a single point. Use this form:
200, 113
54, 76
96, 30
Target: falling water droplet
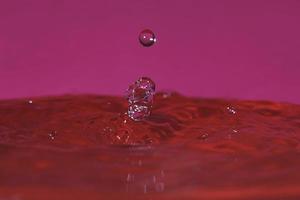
147, 38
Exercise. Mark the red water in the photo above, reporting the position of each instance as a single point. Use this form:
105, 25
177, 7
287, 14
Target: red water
84, 147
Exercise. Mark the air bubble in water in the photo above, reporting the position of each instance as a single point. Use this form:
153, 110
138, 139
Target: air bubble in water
147, 38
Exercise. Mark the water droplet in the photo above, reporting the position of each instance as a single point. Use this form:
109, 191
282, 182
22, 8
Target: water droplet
231, 110
147, 38
141, 90
30, 101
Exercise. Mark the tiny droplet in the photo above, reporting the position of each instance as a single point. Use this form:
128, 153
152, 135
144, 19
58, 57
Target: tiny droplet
231, 110
147, 38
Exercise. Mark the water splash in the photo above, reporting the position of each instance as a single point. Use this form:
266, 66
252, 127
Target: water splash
140, 98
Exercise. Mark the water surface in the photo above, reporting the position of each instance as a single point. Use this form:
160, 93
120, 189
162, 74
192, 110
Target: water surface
85, 147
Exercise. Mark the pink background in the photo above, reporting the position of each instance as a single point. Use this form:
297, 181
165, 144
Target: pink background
240, 49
